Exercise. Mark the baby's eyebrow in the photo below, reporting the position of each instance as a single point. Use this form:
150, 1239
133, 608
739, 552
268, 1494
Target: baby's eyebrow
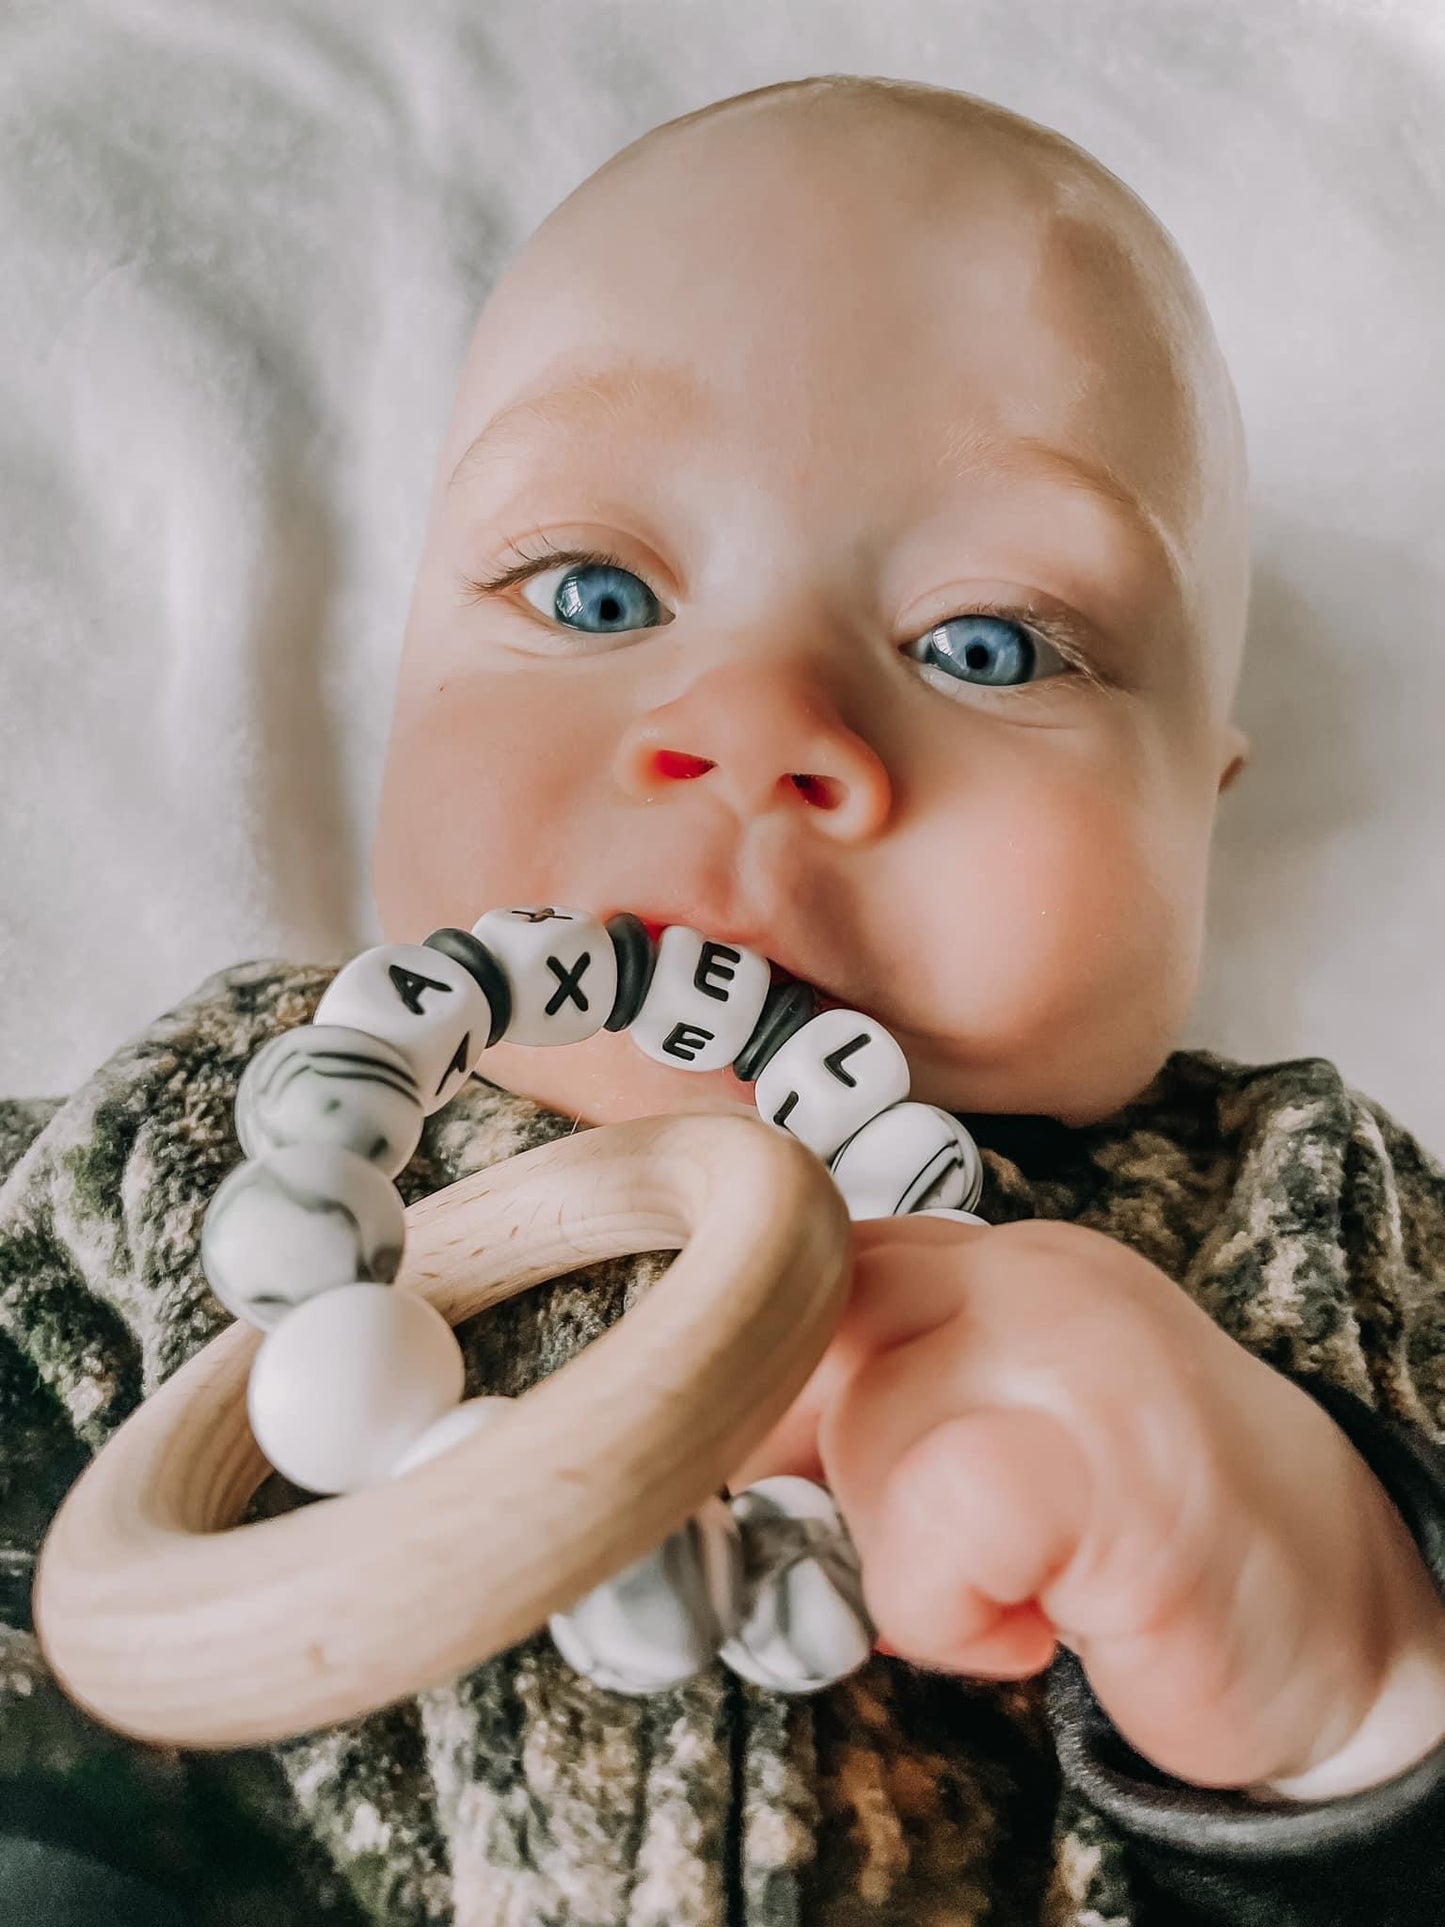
596, 398
972, 451
677, 402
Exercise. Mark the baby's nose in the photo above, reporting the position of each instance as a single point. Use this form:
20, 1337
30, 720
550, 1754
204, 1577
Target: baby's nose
762, 739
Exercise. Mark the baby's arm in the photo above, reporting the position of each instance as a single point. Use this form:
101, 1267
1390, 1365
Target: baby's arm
1207, 1856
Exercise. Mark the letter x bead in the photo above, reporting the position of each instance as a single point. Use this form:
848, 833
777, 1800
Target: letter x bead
561, 967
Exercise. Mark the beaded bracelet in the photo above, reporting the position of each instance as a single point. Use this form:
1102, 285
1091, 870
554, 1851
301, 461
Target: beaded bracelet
355, 1383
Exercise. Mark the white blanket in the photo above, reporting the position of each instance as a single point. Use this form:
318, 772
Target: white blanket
243, 247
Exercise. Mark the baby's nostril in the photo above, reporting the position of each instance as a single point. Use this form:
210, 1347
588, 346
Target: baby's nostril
677, 762
819, 789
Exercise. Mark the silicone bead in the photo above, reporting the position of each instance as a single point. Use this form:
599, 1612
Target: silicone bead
636, 958
474, 956
422, 1002
561, 967
347, 1381
804, 1620
661, 1620
789, 1006
327, 1084
450, 1429
299, 1220
830, 1078
703, 1001
908, 1157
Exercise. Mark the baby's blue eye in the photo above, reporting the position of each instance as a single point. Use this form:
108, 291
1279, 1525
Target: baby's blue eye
987, 650
596, 597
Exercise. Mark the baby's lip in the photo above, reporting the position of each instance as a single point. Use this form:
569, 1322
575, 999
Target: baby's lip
722, 932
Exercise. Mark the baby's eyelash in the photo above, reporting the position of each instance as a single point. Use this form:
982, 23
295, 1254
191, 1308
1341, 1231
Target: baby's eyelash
1071, 639
529, 565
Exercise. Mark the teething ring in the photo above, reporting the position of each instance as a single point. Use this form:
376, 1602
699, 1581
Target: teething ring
170, 1622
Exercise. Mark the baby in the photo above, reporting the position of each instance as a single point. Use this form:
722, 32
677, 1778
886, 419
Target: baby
839, 546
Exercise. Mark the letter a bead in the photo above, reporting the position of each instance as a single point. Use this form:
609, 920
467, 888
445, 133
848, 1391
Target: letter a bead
425, 1004
561, 967
830, 1077
702, 1003
908, 1157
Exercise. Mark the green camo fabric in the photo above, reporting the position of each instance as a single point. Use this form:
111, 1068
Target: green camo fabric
1297, 1213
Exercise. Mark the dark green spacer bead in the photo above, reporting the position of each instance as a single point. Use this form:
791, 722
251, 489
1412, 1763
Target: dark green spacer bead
636, 961
473, 956
786, 1009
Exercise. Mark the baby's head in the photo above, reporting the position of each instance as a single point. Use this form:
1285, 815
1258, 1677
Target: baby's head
750, 432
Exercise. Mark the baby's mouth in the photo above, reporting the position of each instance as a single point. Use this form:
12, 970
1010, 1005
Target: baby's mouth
780, 974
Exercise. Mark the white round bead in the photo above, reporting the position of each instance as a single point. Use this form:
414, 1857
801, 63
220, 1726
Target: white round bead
661, 1620
804, 1621
347, 1381
421, 1001
909, 1156
327, 1084
702, 1003
831, 1076
561, 967
299, 1220
450, 1429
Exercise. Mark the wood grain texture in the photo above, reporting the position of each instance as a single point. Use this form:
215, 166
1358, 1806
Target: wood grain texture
169, 1622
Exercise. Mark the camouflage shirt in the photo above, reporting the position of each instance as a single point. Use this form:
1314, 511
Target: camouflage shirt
1295, 1212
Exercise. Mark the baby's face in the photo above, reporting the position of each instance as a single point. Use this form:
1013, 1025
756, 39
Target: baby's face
809, 625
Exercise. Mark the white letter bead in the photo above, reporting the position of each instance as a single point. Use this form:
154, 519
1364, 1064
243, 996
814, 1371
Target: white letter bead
347, 1381
663, 1618
424, 1003
561, 967
299, 1220
450, 1429
830, 1078
702, 1003
804, 1622
325, 1084
905, 1159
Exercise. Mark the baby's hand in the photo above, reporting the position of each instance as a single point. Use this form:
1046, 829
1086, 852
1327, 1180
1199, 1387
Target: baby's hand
1036, 1436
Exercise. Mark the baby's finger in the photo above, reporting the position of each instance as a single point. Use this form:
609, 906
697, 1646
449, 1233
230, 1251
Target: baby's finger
960, 1530
906, 1281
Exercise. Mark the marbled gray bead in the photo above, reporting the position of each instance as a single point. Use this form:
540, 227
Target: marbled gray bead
662, 1619
299, 1220
329, 1084
804, 1622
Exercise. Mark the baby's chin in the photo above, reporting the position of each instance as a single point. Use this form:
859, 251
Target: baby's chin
606, 1080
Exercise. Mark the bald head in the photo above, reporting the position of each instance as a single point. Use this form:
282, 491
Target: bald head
856, 155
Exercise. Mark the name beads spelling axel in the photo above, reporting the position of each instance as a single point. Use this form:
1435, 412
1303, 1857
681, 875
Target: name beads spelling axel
356, 1383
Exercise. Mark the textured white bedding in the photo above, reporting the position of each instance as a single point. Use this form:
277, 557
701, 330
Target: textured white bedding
242, 250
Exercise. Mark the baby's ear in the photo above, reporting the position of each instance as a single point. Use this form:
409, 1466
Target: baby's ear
1236, 749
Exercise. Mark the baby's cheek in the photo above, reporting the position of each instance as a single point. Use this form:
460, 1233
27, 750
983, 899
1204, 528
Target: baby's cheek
1077, 932
474, 803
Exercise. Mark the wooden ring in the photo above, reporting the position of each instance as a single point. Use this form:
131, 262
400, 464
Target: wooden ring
167, 1621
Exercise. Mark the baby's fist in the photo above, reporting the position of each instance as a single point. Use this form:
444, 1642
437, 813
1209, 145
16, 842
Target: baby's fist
1035, 1436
